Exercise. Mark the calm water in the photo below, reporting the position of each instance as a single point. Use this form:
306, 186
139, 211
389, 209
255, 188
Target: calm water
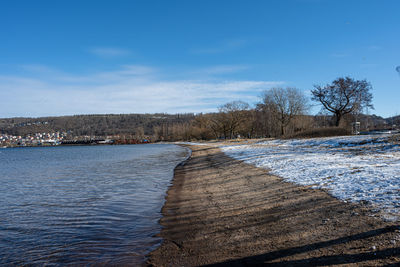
83, 205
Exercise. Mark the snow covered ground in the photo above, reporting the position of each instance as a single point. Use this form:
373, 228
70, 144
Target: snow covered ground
352, 168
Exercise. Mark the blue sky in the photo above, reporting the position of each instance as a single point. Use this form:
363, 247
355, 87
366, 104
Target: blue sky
83, 57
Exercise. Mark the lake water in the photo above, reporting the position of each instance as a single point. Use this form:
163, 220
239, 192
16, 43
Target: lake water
83, 205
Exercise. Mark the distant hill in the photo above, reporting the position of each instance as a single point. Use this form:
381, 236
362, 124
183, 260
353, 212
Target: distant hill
393, 121
166, 126
98, 125
373, 121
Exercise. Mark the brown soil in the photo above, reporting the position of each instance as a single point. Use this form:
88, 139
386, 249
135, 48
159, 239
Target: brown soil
221, 211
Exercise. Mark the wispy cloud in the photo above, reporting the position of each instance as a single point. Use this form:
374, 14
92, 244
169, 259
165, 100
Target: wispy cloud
52, 75
36, 68
129, 89
109, 52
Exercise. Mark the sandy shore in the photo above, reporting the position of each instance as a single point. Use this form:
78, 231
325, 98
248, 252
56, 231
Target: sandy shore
225, 212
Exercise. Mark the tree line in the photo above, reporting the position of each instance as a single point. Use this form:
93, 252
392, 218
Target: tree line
280, 112
284, 112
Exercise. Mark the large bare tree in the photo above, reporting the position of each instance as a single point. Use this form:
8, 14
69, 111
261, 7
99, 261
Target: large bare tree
343, 96
231, 116
284, 104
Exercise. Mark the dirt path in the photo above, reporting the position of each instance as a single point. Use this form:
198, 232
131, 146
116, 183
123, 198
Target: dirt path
225, 212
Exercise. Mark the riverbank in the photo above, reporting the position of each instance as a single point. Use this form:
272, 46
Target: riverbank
223, 211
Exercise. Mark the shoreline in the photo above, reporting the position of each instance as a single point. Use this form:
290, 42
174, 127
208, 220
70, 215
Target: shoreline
222, 211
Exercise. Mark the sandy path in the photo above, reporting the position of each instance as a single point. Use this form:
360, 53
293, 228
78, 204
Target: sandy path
222, 211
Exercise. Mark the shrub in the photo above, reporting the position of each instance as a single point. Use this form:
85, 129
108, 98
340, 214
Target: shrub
320, 132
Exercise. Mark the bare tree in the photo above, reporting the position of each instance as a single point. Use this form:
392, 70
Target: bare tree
343, 96
284, 104
231, 116
139, 133
249, 125
212, 121
203, 128
267, 122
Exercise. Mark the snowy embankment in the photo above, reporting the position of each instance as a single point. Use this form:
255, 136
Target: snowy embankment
352, 168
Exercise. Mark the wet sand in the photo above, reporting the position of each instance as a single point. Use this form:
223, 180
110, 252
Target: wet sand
221, 211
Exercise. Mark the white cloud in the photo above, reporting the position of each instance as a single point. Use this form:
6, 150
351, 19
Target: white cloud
130, 89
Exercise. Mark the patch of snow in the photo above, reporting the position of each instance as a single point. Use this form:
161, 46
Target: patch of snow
353, 168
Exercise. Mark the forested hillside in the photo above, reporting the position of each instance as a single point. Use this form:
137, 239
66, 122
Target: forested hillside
97, 125
229, 123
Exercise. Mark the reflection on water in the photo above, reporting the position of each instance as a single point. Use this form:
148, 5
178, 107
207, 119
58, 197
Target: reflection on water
83, 205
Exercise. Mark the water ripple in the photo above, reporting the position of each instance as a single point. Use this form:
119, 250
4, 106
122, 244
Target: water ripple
83, 205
